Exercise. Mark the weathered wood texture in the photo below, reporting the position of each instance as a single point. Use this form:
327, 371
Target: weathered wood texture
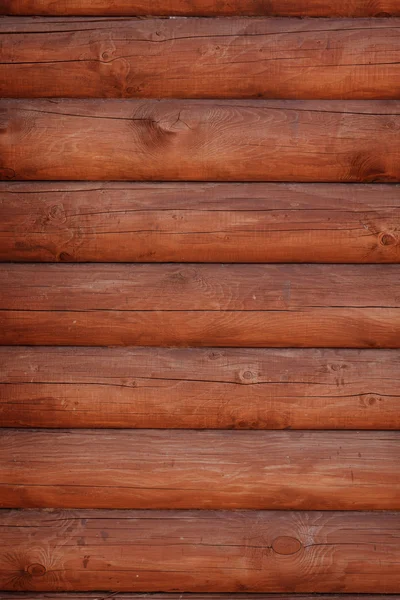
289, 8
201, 58
200, 305
248, 140
200, 469
197, 287
318, 328
193, 596
196, 389
201, 551
136, 222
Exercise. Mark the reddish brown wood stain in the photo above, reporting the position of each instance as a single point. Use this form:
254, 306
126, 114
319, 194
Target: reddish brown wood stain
191, 596
200, 305
200, 469
194, 388
291, 8
240, 398
200, 551
201, 58
190, 222
200, 140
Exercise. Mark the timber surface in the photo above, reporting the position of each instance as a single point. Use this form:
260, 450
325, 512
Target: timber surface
199, 389
245, 454
203, 140
136, 222
304, 328
289, 8
192, 596
199, 469
201, 58
200, 305
201, 551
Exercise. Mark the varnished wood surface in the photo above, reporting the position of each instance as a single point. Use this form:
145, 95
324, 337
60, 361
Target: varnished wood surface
231, 140
192, 596
200, 305
315, 328
168, 222
144, 421
196, 389
197, 287
179, 469
291, 8
201, 551
201, 58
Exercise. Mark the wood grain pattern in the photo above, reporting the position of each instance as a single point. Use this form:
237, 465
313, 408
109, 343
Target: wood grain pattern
190, 222
197, 287
179, 469
290, 8
199, 389
201, 58
248, 140
312, 328
201, 551
193, 596
200, 305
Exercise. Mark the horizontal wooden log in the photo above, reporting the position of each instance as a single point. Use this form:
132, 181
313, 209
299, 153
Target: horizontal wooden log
201, 551
197, 287
248, 140
193, 596
136, 222
315, 328
200, 58
200, 469
289, 8
200, 305
196, 389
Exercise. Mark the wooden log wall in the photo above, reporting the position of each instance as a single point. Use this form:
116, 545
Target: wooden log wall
199, 300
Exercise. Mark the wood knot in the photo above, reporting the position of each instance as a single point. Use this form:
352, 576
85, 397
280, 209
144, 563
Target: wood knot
64, 256
338, 367
7, 173
214, 355
36, 570
158, 36
57, 213
247, 377
387, 239
286, 545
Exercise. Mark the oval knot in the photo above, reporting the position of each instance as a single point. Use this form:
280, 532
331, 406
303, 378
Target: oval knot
36, 570
286, 545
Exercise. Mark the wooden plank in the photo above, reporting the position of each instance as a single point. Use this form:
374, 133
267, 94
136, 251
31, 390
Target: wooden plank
201, 551
134, 222
312, 328
189, 388
182, 469
247, 140
199, 389
193, 596
201, 58
200, 305
289, 8
200, 287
